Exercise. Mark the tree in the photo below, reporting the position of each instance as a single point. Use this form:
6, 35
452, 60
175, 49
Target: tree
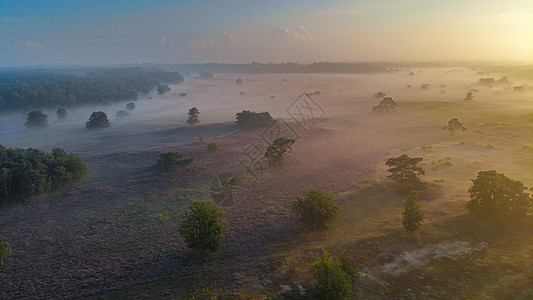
386, 105
5, 249
412, 214
454, 125
205, 75
98, 119
469, 96
279, 148
213, 147
61, 113
169, 160
425, 86
332, 282
496, 197
130, 106
122, 113
202, 226
379, 95
405, 169
248, 118
37, 119
193, 116
317, 210
239, 81
162, 89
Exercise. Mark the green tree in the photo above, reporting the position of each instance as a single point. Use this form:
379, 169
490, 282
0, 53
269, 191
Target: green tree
412, 214
169, 160
454, 125
405, 170
202, 226
193, 116
248, 118
332, 282
98, 119
498, 198
61, 113
37, 119
5, 249
279, 148
317, 210
386, 105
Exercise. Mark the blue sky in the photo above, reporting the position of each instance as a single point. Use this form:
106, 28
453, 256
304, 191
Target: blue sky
101, 32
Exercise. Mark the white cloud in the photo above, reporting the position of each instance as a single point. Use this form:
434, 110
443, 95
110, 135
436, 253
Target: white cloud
298, 34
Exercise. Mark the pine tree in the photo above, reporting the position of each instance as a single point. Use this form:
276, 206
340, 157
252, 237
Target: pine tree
412, 214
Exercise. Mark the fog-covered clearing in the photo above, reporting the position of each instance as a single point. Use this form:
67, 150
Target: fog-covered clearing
126, 207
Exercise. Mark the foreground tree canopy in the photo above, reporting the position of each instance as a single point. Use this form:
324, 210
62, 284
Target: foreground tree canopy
386, 105
334, 278
454, 125
31, 172
202, 226
248, 118
498, 198
19, 89
98, 119
36, 119
317, 210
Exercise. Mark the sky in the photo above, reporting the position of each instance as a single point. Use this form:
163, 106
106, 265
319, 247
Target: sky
99, 32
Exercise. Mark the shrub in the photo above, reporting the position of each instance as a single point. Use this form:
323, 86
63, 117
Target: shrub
213, 147
98, 119
316, 210
412, 214
169, 160
386, 105
202, 226
162, 89
61, 113
5, 249
332, 282
279, 148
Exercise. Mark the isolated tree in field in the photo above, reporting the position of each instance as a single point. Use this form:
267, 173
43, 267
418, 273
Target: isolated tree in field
386, 105
469, 96
98, 119
202, 226
61, 113
162, 89
332, 281
213, 147
279, 148
248, 118
454, 125
405, 169
122, 113
36, 119
193, 116
167, 161
130, 106
5, 249
317, 210
239, 81
412, 214
496, 197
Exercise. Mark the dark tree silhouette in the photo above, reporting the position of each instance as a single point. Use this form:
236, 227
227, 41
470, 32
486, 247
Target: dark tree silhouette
130, 106
248, 118
167, 161
36, 119
279, 148
386, 105
61, 113
193, 116
98, 119
239, 81
379, 95
498, 198
162, 89
122, 113
454, 125
412, 214
405, 169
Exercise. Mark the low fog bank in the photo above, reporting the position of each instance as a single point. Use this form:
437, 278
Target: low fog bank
218, 99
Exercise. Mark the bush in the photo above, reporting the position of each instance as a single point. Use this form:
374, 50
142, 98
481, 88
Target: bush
61, 113
202, 226
31, 172
98, 119
332, 281
162, 89
5, 249
213, 147
316, 210
130, 106
248, 118
37, 119
279, 148
496, 197
169, 160
386, 105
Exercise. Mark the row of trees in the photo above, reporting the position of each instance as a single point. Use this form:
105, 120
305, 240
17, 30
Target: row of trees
19, 89
31, 172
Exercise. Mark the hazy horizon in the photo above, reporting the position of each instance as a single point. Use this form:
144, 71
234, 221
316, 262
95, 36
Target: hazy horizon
131, 32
